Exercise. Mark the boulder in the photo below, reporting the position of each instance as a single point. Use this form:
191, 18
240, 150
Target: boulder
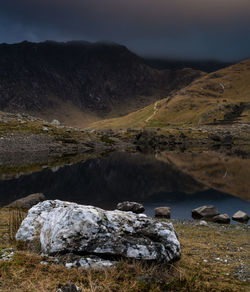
222, 218
205, 212
69, 288
29, 201
63, 227
163, 212
131, 206
240, 216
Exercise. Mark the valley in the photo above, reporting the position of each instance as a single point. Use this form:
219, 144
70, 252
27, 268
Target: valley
80, 82
95, 124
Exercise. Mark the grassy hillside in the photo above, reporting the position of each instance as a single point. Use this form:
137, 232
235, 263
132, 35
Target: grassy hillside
222, 97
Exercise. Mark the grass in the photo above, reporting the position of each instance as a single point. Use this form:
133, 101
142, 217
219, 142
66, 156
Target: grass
15, 219
211, 257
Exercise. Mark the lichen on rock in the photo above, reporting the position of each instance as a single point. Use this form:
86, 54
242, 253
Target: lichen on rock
64, 227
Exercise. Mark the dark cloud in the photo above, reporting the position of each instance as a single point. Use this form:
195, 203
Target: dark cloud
174, 28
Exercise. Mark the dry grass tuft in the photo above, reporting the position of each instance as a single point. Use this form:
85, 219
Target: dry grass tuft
15, 218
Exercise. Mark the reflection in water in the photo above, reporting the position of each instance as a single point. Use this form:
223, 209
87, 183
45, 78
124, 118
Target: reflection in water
224, 173
154, 181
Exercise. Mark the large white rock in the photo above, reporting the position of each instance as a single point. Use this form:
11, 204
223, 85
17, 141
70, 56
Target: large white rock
68, 227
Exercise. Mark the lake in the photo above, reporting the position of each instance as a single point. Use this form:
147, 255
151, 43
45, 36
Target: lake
182, 181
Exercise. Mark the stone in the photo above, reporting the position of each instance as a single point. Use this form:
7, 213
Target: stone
69, 288
45, 129
222, 219
29, 201
240, 216
163, 212
205, 212
56, 122
203, 223
134, 207
87, 262
63, 227
7, 254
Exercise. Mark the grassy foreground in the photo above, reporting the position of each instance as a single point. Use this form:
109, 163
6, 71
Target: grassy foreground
214, 258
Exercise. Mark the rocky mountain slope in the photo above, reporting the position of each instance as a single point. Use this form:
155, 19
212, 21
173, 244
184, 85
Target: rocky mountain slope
222, 97
81, 82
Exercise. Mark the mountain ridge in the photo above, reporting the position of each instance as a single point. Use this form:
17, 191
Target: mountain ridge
221, 97
80, 82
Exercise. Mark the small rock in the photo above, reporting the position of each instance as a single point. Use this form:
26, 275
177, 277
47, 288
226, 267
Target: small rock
240, 216
55, 122
95, 262
205, 212
131, 206
215, 138
45, 129
163, 212
7, 254
29, 201
222, 219
69, 288
203, 223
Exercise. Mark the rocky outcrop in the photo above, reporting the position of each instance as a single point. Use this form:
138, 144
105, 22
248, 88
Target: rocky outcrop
29, 201
163, 212
205, 212
222, 219
63, 227
240, 216
134, 207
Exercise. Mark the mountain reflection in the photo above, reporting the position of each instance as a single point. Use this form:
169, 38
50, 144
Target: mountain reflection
164, 177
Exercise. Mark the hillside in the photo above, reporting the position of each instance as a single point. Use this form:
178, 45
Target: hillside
80, 82
222, 97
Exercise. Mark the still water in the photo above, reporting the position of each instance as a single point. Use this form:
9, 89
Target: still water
182, 181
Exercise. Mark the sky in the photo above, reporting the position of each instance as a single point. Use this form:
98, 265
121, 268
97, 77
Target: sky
178, 29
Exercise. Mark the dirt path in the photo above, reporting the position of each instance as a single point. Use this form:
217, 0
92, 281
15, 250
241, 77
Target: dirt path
156, 109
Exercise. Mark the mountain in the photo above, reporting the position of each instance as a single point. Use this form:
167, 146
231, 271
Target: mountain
202, 65
221, 97
80, 82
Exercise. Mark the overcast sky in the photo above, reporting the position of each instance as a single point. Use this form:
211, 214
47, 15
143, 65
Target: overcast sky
211, 29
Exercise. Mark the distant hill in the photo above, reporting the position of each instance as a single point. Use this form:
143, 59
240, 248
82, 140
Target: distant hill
80, 82
222, 97
202, 65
